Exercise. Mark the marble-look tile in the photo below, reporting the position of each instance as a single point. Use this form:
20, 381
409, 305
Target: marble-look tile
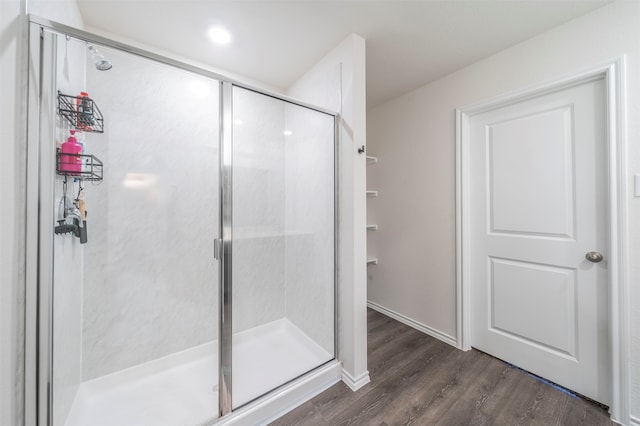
258, 281
310, 224
67, 324
67, 251
150, 286
283, 248
258, 271
145, 286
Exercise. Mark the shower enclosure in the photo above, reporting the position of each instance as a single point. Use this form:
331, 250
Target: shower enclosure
186, 261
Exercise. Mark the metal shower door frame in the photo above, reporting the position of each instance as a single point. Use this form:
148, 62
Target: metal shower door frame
225, 323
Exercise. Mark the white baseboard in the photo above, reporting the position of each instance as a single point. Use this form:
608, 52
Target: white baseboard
355, 383
635, 421
414, 324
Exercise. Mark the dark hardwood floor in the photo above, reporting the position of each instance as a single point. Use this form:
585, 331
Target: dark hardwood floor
419, 380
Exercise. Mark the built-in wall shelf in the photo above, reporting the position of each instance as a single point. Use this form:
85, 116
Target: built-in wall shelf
371, 194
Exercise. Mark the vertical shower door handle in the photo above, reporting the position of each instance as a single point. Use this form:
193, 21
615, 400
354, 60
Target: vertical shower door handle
217, 248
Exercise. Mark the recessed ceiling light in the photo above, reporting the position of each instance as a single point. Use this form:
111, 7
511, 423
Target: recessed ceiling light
236, 121
287, 132
219, 35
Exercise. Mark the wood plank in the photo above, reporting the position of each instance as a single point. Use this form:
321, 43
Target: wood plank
392, 382
419, 380
428, 404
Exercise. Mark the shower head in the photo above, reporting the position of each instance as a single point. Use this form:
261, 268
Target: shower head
101, 63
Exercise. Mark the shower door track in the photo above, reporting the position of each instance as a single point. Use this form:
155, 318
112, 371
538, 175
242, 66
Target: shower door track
38, 342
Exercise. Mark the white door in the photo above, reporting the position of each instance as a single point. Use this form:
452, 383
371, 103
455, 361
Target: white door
538, 199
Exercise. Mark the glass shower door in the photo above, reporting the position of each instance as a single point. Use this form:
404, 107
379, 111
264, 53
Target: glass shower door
134, 304
282, 223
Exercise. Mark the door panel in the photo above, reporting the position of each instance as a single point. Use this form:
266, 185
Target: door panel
538, 197
520, 291
517, 147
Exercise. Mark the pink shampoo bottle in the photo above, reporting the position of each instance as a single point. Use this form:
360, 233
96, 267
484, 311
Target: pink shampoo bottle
71, 158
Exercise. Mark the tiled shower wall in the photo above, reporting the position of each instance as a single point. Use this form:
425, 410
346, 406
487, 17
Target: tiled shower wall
309, 158
258, 210
283, 219
68, 252
150, 280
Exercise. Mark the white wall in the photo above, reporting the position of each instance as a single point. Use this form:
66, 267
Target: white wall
12, 183
337, 83
414, 138
61, 11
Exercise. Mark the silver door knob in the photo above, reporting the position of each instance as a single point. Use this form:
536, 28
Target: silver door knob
594, 256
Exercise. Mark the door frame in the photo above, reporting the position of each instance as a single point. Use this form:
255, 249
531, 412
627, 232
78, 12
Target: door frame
614, 77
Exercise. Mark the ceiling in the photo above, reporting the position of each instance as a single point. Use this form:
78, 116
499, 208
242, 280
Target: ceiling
409, 43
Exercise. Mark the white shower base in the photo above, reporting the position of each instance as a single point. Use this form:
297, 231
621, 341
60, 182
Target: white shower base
182, 389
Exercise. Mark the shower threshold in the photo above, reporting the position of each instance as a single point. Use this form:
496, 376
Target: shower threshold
182, 388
